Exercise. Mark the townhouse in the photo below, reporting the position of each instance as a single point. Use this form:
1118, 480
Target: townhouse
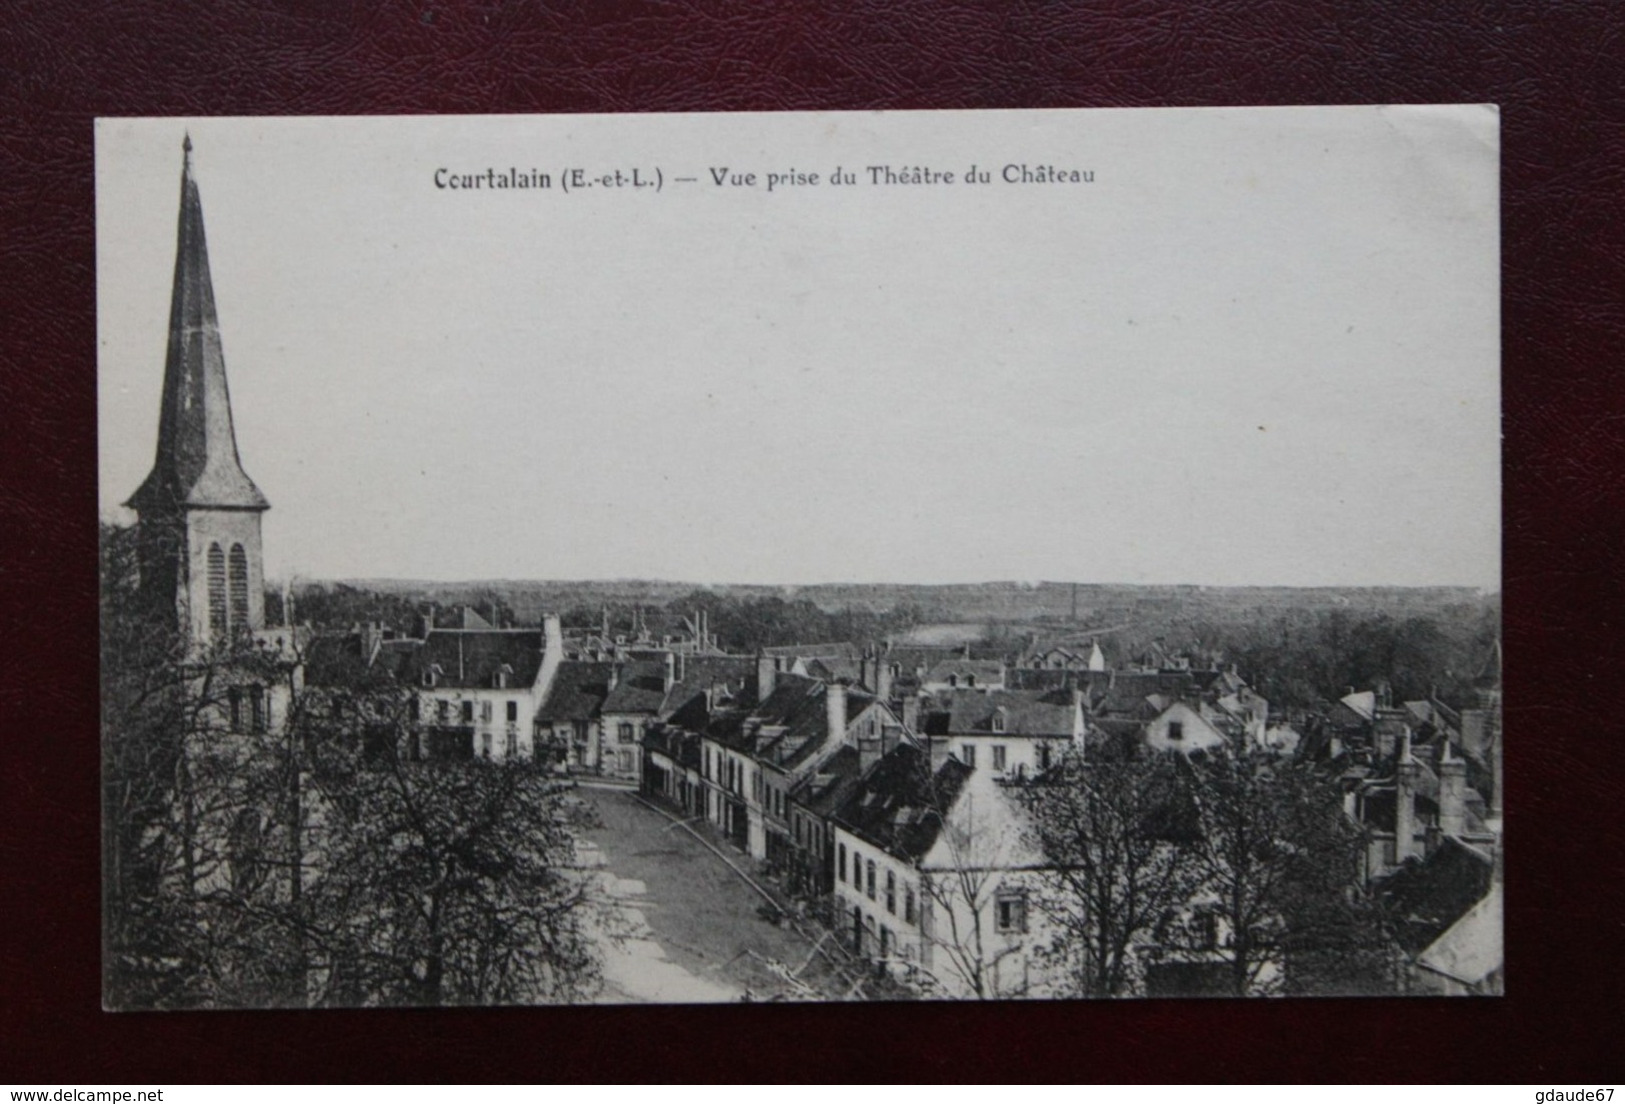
1009, 733
935, 874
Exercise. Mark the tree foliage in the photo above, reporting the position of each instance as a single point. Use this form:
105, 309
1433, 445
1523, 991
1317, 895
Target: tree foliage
747, 624
433, 883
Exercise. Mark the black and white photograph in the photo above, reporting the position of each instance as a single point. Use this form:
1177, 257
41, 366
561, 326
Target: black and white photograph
806, 556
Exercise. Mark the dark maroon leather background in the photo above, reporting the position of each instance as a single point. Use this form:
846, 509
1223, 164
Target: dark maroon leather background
1557, 68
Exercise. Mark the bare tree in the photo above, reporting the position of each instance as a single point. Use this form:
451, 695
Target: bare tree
1279, 859
313, 860
982, 854
1116, 837
174, 797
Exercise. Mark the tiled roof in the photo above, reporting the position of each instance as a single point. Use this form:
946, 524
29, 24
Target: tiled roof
1128, 692
793, 699
900, 803
910, 658
1430, 895
680, 746
578, 692
839, 648
641, 688
985, 671
1025, 712
797, 706
336, 659
1471, 949
823, 791
471, 660
834, 668
697, 674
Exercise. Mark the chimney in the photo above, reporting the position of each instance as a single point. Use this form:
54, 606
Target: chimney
614, 675
1452, 791
870, 749
671, 671
883, 677
866, 671
1406, 775
911, 713
766, 676
835, 712
890, 736
426, 623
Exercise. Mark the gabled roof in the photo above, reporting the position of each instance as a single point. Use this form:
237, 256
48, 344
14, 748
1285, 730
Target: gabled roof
578, 692
1362, 703
1023, 713
1470, 950
470, 619
900, 804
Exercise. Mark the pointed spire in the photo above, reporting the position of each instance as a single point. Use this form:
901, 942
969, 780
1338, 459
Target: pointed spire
197, 463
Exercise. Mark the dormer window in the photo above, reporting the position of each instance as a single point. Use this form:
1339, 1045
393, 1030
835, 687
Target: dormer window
499, 678
431, 674
953, 680
970, 680
998, 721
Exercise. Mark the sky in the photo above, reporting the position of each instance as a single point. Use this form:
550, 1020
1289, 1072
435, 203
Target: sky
1260, 347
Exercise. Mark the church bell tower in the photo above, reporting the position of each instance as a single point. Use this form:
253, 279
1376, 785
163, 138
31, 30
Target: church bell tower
199, 512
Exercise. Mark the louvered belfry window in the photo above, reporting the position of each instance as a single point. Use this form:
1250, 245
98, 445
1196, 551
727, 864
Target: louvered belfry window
217, 592
239, 587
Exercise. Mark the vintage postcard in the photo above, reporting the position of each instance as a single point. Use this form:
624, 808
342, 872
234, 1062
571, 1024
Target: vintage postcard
790, 557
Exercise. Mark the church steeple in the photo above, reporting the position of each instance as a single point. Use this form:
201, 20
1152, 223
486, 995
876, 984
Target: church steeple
199, 511
197, 463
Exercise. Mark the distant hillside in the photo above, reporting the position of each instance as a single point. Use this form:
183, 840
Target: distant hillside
1298, 645
1009, 603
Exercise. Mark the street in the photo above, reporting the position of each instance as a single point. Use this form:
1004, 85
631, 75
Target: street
694, 930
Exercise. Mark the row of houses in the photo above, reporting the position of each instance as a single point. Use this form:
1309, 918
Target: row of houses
827, 762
